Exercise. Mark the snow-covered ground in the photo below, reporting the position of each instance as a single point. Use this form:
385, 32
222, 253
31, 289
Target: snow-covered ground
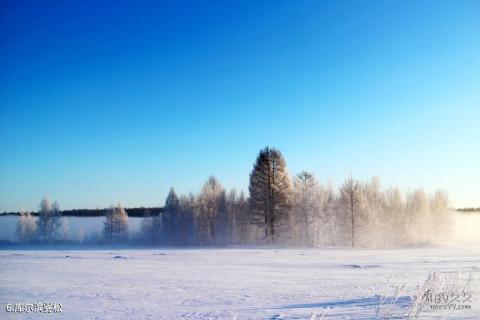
219, 283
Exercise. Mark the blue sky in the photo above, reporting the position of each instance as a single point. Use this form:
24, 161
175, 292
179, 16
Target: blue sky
108, 101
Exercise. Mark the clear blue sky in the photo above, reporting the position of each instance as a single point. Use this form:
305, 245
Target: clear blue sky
107, 101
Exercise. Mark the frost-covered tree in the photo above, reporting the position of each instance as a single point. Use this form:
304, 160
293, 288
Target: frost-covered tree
439, 208
418, 216
230, 216
115, 225
147, 227
395, 217
169, 218
350, 199
373, 193
394, 199
270, 191
222, 220
242, 227
371, 217
418, 201
439, 203
187, 233
48, 220
26, 227
210, 203
307, 205
65, 229
333, 217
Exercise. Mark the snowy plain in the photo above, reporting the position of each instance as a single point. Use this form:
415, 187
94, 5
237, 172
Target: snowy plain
224, 283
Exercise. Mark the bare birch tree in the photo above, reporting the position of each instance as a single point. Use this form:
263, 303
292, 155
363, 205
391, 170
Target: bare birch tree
26, 227
48, 220
209, 203
350, 200
307, 204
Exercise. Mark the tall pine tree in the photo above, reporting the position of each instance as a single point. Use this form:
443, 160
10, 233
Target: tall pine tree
270, 194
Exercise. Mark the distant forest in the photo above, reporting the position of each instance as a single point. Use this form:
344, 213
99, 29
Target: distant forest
469, 209
132, 212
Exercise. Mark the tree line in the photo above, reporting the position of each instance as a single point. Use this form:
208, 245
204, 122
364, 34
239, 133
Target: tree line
279, 209
97, 212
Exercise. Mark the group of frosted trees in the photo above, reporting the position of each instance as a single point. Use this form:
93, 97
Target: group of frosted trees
299, 210
48, 227
212, 217
279, 209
